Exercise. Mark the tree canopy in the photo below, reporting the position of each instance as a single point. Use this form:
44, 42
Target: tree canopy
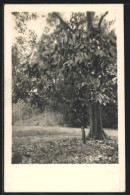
74, 64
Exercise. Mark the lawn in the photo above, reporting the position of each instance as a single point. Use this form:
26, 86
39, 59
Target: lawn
58, 145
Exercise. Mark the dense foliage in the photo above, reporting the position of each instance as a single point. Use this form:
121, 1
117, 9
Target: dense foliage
73, 65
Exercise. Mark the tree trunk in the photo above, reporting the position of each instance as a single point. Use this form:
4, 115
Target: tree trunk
83, 134
96, 130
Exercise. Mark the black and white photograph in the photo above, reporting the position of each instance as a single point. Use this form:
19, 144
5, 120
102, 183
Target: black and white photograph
64, 88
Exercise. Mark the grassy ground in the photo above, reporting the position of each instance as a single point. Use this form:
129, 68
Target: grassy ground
41, 144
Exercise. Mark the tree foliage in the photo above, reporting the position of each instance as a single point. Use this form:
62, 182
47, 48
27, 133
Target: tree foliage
72, 65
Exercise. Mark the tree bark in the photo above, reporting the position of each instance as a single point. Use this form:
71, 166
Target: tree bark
83, 134
96, 130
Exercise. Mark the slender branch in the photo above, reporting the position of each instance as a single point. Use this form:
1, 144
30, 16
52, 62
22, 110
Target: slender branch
62, 21
66, 100
101, 19
67, 62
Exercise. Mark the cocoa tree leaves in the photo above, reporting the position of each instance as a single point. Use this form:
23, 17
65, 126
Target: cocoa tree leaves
99, 53
79, 56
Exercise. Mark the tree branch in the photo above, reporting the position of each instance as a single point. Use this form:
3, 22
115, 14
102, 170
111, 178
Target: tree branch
62, 21
90, 16
101, 19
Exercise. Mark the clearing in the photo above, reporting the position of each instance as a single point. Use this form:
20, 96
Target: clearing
61, 145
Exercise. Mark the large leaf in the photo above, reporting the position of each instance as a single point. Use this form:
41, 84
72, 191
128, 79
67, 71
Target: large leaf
99, 52
34, 58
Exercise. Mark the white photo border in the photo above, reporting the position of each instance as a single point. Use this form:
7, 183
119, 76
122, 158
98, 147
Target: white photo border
63, 178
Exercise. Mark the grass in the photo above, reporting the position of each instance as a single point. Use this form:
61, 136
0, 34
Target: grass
60, 145
18, 131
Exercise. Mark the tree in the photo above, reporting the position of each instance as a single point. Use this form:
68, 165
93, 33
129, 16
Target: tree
96, 131
87, 62
23, 45
76, 65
